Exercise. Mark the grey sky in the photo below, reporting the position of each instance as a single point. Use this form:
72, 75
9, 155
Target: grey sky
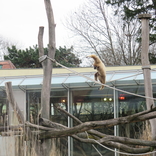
20, 20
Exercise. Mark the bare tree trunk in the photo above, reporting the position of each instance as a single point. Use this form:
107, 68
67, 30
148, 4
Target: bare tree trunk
13, 103
146, 68
47, 64
47, 72
20, 116
16, 109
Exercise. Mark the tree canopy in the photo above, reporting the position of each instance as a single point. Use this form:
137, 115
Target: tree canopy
129, 10
28, 58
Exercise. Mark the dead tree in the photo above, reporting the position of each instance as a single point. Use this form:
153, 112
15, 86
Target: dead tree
47, 70
146, 67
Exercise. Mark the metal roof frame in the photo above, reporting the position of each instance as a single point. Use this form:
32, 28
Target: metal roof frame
72, 80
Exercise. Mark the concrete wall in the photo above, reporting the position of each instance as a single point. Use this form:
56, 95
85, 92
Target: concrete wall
20, 97
10, 145
7, 146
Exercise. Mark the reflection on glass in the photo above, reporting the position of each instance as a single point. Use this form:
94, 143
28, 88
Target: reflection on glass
92, 105
3, 109
128, 105
57, 98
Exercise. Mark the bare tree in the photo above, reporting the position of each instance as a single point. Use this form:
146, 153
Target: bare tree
111, 38
4, 44
47, 70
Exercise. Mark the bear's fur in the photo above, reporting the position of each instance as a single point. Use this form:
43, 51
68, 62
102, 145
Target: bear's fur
101, 70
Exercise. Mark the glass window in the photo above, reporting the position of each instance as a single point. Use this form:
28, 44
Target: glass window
33, 105
3, 109
130, 104
92, 105
59, 99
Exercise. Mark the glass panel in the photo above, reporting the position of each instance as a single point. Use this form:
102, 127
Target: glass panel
124, 76
92, 105
59, 98
130, 104
75, 79
15, 81
32, 81
58, 80
33, 105
3, 109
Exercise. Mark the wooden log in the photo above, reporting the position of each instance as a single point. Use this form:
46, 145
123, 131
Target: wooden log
48, 123
18, 112
146, 68
10, 97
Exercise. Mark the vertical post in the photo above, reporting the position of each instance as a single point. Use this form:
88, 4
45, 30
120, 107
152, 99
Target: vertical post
47, 71
70, 123
145, 59
116, 115
146, 67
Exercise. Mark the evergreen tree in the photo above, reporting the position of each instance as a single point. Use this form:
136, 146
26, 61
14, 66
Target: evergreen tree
28, 58
67, 57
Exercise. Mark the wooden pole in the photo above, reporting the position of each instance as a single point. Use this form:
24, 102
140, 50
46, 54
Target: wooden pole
145, 59
146, 67
47, 72
11, 99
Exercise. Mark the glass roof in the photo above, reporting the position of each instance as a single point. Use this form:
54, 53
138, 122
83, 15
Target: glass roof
15, 81
31, 81
116, 78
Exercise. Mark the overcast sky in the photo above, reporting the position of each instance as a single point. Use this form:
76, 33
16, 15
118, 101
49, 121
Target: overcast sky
20, 20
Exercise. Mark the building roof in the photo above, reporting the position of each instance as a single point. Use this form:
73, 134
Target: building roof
39, 71
81, 77
7, 64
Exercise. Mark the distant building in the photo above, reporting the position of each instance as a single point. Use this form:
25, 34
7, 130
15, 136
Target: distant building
7, 64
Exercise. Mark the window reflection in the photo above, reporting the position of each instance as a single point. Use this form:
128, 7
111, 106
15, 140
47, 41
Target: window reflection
58, 99
92, 105
89, 105
3, 109
128, 105
34, 105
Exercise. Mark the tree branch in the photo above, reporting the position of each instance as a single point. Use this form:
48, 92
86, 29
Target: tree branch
107, 140
106, 123
40, 41
105, 137
15, 107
